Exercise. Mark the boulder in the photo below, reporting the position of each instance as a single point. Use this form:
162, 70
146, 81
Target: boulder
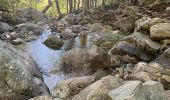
68, 88
31, 15
150, 90
167, 10
20, 76
67, 34
76, 28
98, 58
130, 10
160, 31
17, 41
136, 45
80, 59
164, 58
152, 71
29, 29
53, 42
126, 24
4, 27
159, 5
145, 23
74, 59
99, 89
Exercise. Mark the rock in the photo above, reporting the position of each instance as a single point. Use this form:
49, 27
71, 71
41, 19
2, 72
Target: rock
167, 93
167, 10
126, 24
20, 75
53, 42
130, 10
41, 98
160, 31
31, 15
76, 28
136, 45
13, 35
150, 90
123, 92
68, 88
100, 74
164, 58
99, 89
145, 23
98, 58
80, 59
146, 2
4, 27
17, 41
67, 35
29, 29
159, 5
74, 59
152, 71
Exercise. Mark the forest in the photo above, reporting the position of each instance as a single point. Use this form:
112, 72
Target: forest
84, 49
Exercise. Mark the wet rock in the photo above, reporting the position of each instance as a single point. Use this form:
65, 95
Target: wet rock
160, 31
99, 89
150, 90
20, 75
68, 88
17, 41
53, 42
31, 15
4, 27
136, 45
145, 23
98, 58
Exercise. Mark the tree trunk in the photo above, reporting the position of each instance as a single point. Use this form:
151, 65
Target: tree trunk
58, 9
78, 5
74, 5
47, 7
71, 5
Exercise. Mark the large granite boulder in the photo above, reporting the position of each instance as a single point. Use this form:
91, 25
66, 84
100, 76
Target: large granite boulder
135, 90
68, 88
31, 15
99, 89
137, 45
20, 76
160, 31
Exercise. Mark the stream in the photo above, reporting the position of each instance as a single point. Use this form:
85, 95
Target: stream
48, 59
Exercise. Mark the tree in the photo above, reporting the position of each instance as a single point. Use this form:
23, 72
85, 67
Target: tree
58, 9
47, 7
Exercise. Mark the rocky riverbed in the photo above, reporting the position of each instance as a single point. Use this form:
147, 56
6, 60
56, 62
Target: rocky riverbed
87, 57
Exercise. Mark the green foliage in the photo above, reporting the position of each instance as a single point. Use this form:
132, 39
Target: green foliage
8, 5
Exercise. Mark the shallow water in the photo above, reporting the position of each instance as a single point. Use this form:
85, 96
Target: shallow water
48, 59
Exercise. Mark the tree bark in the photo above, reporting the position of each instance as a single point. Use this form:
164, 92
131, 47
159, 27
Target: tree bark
71, 5
58, 8
47, 7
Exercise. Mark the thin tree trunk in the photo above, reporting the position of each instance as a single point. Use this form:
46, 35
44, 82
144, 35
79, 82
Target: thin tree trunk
78, 5
47, 7
74, 5
67, 6
58, 9
71, 6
